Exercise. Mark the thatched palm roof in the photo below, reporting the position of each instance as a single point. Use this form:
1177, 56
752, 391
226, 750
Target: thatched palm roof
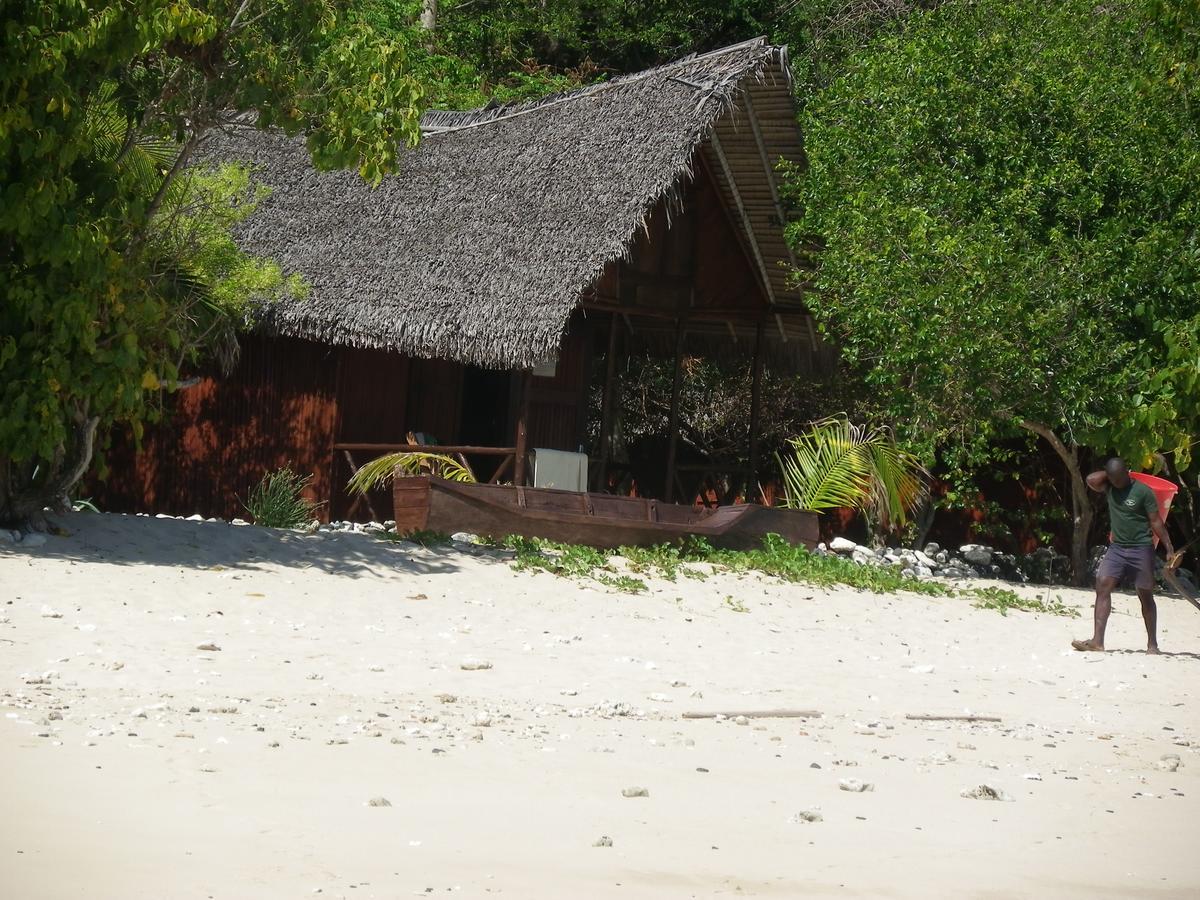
482, 245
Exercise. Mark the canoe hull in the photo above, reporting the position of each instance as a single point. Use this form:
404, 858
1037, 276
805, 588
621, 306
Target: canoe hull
596, 520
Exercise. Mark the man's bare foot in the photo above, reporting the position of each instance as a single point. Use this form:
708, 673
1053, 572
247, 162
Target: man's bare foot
1153, 650
1088, 646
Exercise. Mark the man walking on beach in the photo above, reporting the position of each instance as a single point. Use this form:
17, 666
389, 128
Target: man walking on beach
1133, 517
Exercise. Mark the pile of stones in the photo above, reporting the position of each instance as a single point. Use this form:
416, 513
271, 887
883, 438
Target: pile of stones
1042, 566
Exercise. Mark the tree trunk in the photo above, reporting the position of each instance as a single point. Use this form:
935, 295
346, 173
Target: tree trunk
1081, 503
429, 11
24, 495
1184, 508
922, 518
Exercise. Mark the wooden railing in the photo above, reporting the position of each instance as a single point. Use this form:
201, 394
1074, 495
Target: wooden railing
357, 455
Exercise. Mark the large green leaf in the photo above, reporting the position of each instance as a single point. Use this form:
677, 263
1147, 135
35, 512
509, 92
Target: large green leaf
839, 464
379, 472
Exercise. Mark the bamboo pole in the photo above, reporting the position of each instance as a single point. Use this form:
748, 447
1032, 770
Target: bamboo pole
522, 429
606, 407
755, 406
673, 425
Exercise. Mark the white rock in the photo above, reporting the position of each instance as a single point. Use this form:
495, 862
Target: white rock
481, 720
842, 545
740, 720
984, 792
474, 665
806, 815
603, 841
926, 560
660, 698
208, 646
48, 613
379, 801
635, 792
1032, 776
922, 670
854, 786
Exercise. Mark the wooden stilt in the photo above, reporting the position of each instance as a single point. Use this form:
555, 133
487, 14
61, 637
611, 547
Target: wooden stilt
755, 409
673, 426
606, 408
522, 429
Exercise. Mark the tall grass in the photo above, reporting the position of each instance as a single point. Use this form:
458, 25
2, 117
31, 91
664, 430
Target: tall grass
278, 502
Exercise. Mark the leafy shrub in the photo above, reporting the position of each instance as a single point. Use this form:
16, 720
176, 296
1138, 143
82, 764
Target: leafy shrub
278, 502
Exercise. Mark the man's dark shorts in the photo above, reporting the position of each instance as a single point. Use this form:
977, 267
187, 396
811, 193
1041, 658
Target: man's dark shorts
1120, 561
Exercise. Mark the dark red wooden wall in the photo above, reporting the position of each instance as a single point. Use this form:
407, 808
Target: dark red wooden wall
278, 407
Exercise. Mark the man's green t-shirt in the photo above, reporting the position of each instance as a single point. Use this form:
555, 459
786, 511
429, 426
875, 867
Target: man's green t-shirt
1129, 512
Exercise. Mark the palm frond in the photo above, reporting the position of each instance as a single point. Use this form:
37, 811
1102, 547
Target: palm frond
898, 483
839, 464
143, 157
827, 467
379, 472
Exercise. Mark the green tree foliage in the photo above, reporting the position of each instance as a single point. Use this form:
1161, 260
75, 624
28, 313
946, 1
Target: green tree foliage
506, 50
1011, 229
101, 105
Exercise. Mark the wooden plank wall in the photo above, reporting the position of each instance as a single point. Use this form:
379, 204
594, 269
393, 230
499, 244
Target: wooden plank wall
278, 407
556, 407
287, 402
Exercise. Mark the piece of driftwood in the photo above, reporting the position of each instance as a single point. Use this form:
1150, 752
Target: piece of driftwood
926, 717
758, 714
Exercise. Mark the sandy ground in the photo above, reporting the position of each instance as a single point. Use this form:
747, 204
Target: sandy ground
136, 765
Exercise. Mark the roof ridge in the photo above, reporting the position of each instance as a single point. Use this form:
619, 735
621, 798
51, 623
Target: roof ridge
461, 120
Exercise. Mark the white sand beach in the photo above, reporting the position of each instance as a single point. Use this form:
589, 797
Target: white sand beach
137, 765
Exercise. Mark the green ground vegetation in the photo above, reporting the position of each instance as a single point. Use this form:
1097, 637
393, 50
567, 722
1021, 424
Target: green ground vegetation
627, 569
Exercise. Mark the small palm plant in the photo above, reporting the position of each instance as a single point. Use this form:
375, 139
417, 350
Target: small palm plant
277, 501
378, 472
839, 464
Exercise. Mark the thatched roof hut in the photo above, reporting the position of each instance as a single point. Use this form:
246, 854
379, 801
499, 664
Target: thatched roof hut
502, 220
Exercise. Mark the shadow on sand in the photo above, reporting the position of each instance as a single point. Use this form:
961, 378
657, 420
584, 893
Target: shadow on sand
1185, 654
138, 540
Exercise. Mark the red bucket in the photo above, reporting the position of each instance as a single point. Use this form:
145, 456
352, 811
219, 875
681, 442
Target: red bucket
1164, 493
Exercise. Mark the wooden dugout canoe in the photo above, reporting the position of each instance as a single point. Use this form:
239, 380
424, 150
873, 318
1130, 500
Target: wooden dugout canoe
597, 520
